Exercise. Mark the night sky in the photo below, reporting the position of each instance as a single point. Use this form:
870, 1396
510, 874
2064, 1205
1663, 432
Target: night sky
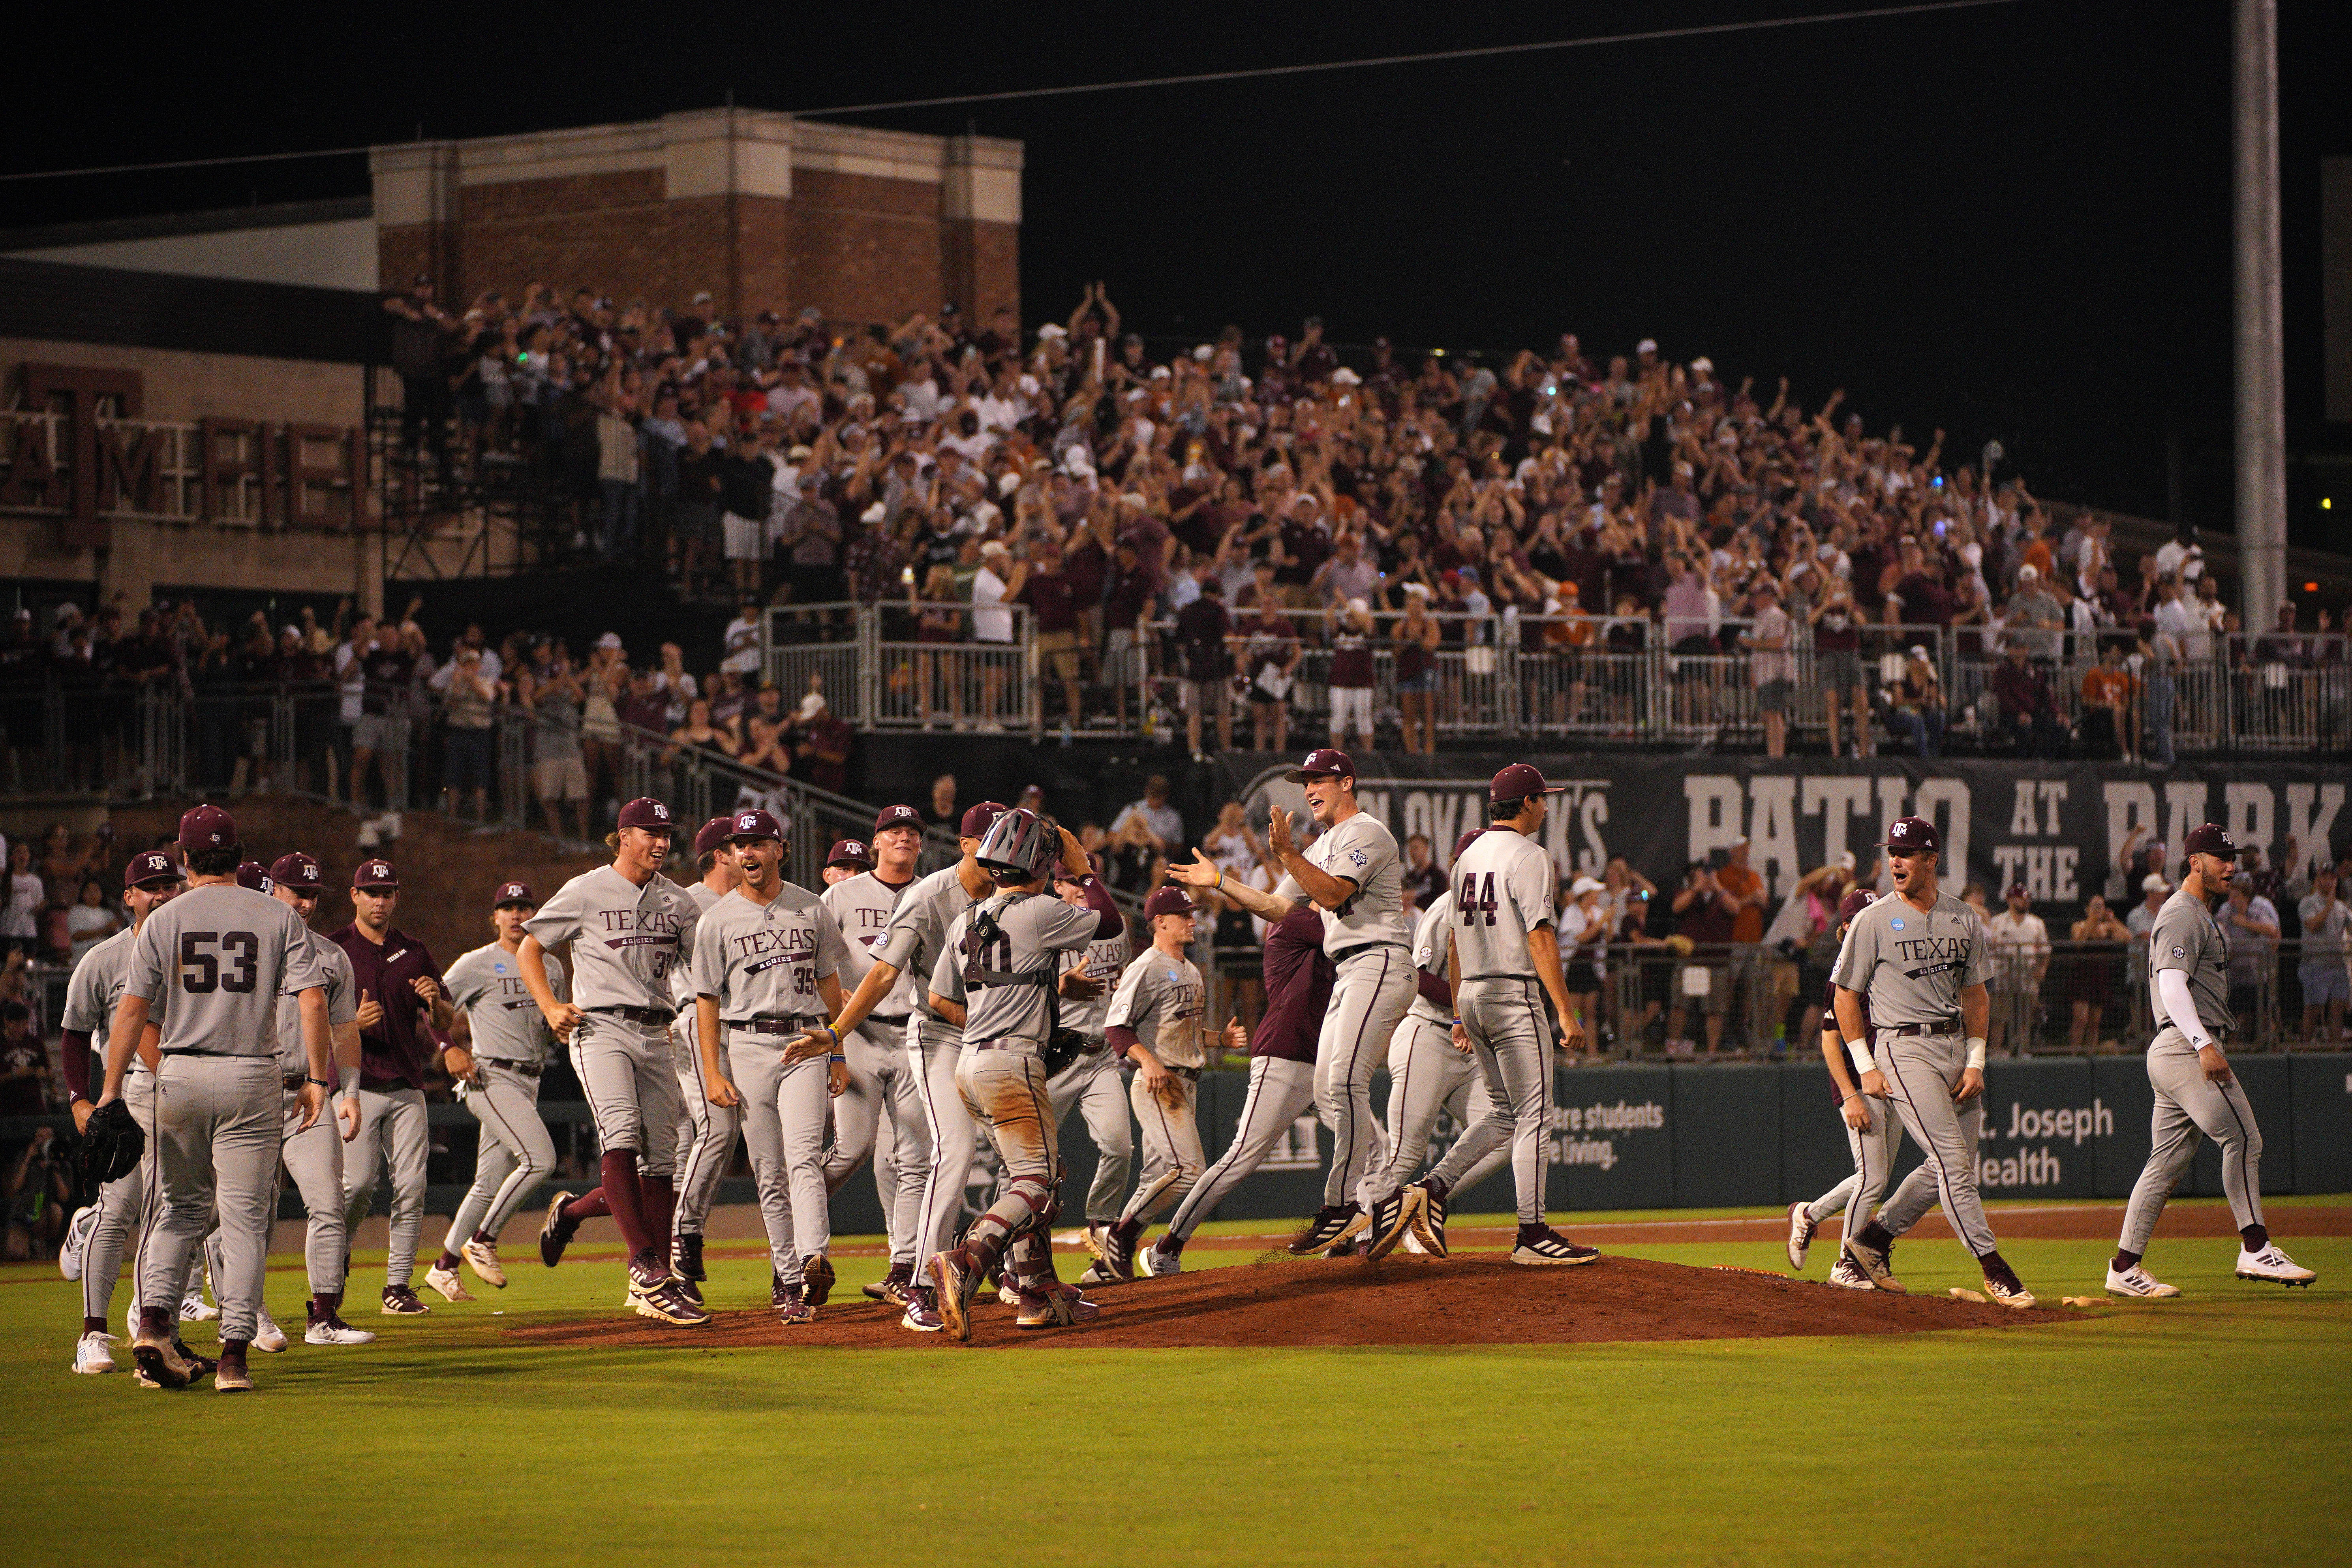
2013, 221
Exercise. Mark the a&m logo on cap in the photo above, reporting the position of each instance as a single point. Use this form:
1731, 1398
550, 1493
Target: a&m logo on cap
661, 811
747, 823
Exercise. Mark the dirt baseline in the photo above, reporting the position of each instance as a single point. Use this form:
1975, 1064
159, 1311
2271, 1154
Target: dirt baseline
1481, 1299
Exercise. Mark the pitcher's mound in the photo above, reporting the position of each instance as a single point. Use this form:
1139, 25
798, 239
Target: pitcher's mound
1479, 1299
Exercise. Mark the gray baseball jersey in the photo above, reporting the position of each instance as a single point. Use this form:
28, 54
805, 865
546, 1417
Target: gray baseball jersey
222, 954
1104, 960
918, 932
1429, 954
1911, 966
485, 984
343, 1003
1032, 929
681, 975
1364, 851
94, 992
862, 906
764, 960
1161, 999
2186, 937
629, 938
1502, 890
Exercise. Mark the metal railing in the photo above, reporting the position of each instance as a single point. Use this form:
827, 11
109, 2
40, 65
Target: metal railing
910, 664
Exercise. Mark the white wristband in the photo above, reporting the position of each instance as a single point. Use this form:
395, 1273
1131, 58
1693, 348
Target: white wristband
1977, 1052
1858, 1052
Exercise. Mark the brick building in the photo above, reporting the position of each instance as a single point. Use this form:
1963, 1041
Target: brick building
764, 210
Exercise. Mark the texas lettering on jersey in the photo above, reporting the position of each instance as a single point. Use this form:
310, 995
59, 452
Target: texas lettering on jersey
639, 928
766, 949
1931, 954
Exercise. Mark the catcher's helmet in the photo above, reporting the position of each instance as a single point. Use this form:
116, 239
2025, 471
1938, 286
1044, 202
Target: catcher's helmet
1020, 847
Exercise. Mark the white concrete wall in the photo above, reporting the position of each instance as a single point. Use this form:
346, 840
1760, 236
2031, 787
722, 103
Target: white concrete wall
338, 255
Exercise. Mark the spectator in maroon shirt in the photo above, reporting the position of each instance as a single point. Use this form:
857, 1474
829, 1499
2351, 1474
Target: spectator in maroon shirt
1202, 628
1053, 599
1305, 545
820, 745
2027, 715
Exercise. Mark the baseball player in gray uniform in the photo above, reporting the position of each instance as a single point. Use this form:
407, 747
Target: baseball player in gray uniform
314, 1154
1919, 956
765, 958
629, 926
1155, 1023
1092, 1082
999, 969
706, 1134
1865, 1121
1504, 961
2196, 1093
1353, 876
1429, 1073
149, 881
221, 954
911, 945
500, 1051
885, 1088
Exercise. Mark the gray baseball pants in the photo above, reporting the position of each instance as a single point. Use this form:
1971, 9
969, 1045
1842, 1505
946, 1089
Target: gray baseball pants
124, 1207
1873, 1166
1172, 1158
1280, 1092
1512, 1040
393, 1135
629, 1074
315, 1160
1369, 999
2188, 1104
1922, 1070
1092, 1085
513, 1155
783, 1128
706, 1137
933, 1050
1426, 1077
217, 1129
880, 1117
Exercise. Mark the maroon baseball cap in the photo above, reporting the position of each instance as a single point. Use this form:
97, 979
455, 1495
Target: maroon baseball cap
1465, 841
1517, 782
898, 816
1168, 899
1856, 899
297, 871
377, 873
252, 874
150, 866
2212, 838
207, 828
1914, 834
849, 852
753, 824
981, 818
514, 894
710, 836
1323, 763
648, 813
2017, 890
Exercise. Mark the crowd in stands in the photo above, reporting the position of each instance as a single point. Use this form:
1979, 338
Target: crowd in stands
1257, 496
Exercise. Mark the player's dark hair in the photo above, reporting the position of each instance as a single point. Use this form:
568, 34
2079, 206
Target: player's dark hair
221, 861
702, 863
1506, 810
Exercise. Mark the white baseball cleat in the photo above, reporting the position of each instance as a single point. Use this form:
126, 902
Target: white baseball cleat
1152, 1263
1846, 1274
1801, 1236
75, 1248
2272, 1264
482, 1257
90, 1353
194, 1309
2002, 1293
446, 1281
2137, 1281
335, 1332
267, 1335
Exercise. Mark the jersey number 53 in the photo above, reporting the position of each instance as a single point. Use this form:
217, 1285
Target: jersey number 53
201, 970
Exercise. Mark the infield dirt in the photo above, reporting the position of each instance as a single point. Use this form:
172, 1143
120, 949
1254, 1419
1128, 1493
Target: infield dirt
1275, 1302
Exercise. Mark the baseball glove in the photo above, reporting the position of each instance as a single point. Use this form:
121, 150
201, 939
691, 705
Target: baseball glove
111, 1144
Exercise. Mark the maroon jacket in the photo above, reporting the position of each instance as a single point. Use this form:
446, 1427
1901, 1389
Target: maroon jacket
395, 1053
1298, 988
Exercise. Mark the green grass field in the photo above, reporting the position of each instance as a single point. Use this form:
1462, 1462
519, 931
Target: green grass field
2217, 1428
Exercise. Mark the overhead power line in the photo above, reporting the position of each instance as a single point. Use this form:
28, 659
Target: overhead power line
1194, 78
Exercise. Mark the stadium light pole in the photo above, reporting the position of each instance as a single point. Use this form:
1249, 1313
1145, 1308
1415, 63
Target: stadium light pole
2262, 382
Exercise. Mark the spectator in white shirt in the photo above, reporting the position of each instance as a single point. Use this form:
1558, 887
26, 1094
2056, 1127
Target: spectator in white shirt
2018, 943
1166, 823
